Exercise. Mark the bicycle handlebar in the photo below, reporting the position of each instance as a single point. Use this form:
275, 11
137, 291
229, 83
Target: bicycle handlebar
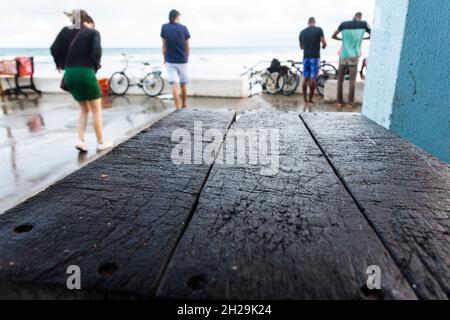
249, 70
127, 60
293, 62
301, 62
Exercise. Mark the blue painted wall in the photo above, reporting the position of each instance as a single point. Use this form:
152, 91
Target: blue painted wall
384, 59
411, 93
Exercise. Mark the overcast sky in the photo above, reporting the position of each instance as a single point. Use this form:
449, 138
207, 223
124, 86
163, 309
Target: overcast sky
137, 23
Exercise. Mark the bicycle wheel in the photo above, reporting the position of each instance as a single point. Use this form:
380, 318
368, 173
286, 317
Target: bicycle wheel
362, 73
291, 83
330, 72
119, 83
320, 85
274, 83
153, 84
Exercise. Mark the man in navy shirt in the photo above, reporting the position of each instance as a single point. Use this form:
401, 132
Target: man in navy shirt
310, 40
176, 50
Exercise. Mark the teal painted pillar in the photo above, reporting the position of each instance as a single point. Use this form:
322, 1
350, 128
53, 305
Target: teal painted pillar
408, 83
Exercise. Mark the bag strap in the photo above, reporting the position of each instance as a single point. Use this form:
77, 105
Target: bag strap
72, 43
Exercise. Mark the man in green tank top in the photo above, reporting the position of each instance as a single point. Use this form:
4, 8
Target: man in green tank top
353, 33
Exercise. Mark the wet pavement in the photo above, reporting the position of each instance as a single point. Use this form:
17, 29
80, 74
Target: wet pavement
37, 135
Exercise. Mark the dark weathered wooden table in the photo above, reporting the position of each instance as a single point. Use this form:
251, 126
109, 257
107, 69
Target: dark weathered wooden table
348, 195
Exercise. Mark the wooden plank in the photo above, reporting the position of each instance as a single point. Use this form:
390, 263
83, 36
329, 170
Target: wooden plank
295, 235
404, 192
118, 218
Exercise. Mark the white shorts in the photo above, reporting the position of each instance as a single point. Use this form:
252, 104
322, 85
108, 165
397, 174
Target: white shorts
177, 73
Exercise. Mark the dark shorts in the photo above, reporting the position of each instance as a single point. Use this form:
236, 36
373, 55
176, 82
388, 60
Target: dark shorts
82, 83
311, 68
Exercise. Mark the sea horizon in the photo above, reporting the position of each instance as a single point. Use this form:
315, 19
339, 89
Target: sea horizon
205, 61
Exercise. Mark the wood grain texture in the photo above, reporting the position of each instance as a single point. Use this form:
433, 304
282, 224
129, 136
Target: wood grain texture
118, 218
295, 235
404, 192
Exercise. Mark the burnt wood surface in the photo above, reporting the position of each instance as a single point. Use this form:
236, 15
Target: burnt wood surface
404, 192
295, 235
119, 219
348, 194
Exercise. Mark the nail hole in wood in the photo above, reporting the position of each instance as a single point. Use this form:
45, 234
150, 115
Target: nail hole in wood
108, 269
372, 294
197, 283
24, 228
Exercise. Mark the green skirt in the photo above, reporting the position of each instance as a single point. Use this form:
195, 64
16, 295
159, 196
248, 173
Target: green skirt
82, 83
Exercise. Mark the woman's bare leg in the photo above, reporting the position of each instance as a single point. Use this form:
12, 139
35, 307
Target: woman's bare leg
83, 120
95, 107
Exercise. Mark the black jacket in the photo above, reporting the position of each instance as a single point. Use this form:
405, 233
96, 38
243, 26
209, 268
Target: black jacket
86, 50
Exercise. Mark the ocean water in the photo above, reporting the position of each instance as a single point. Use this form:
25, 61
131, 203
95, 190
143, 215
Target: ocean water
204, 62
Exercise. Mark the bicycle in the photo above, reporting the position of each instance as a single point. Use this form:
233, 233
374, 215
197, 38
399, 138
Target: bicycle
272, 83
292, 78
327, 72
295, 73
254, 78
150, 82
